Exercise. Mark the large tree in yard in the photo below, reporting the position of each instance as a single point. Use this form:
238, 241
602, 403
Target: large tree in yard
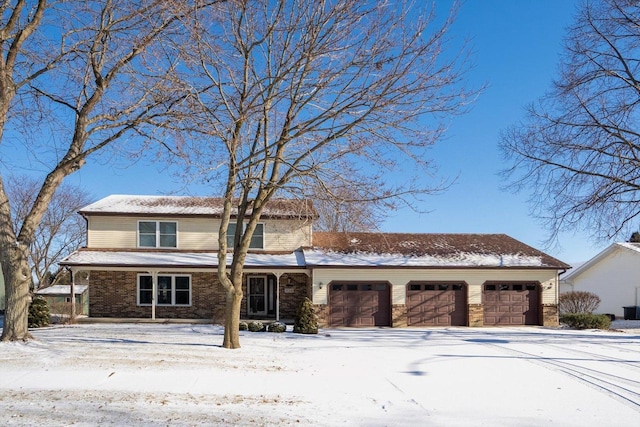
293, 93
61, 230
75, 77
578, 149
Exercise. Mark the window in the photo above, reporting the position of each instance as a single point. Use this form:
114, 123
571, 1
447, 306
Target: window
257, 240
171, 290
157, 234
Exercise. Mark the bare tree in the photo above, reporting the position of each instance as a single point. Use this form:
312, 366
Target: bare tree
109, 79
579, 147
293, 92
61, 230
341, 209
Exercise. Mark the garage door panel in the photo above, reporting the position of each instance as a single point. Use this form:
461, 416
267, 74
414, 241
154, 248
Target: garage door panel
511, 304
436, 304
357, 304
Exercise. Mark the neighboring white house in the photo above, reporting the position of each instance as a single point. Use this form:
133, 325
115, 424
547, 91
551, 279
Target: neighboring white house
613, 275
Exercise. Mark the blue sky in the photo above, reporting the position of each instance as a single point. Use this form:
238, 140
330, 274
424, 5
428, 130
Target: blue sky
517, 45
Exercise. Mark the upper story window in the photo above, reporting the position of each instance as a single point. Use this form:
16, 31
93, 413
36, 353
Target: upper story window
157, 234
257, 240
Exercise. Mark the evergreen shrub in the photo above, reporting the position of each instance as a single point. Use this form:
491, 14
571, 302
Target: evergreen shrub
39, 314
256, 327
306, 321
586, 321
277, 327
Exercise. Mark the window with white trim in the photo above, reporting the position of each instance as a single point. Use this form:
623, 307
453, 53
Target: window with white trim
257, 240
157, 234
174, 289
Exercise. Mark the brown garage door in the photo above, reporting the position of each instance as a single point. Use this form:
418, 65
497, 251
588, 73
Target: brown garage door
359, 304
436, 304
511, 304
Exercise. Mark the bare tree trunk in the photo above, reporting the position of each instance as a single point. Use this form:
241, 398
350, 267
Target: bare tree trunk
232, 318
17, 279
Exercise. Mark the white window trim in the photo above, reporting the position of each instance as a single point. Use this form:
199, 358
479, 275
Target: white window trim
173, 290
157, 222
244, 226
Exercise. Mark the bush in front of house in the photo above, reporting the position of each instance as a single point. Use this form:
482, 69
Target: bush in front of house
277, 327
256, 327
39, 314
243, 326
578, 302
586, 321
306, 321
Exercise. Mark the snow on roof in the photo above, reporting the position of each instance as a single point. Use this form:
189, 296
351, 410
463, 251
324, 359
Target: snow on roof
186, 205
425, 250
98, 258
62, 289
315, 257
630, 245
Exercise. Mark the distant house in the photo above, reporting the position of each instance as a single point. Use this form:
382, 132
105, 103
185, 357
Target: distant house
613, 275
58, 299
156, 257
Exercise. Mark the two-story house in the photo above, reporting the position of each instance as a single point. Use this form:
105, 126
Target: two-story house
156, 257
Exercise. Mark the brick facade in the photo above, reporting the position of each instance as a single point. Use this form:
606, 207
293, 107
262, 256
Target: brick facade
476, 314
114, 294
322, 311
550, 315
399, 315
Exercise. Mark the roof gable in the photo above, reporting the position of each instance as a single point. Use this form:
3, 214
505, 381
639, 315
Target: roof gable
633, 248
119, 204
472, 250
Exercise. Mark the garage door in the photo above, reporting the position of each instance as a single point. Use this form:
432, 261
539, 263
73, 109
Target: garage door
511, 304
359, 304
436, 304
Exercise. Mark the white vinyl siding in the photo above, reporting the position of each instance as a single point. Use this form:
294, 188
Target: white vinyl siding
399, 278
194, 233
615, 278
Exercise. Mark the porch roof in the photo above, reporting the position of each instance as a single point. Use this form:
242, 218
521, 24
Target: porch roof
62, 290
110, 258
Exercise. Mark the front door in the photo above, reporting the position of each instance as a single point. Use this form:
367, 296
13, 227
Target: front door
257, 299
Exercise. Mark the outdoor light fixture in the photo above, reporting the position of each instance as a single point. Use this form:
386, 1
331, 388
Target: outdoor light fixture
320, 285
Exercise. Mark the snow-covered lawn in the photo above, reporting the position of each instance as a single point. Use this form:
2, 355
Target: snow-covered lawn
177, 374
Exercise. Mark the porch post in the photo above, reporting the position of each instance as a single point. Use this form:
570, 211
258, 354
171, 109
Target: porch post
73, 296
154, 291
278, 274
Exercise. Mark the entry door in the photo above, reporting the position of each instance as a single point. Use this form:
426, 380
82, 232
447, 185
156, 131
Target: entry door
257, 300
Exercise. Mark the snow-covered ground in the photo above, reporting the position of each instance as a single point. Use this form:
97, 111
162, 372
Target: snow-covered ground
177, 374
